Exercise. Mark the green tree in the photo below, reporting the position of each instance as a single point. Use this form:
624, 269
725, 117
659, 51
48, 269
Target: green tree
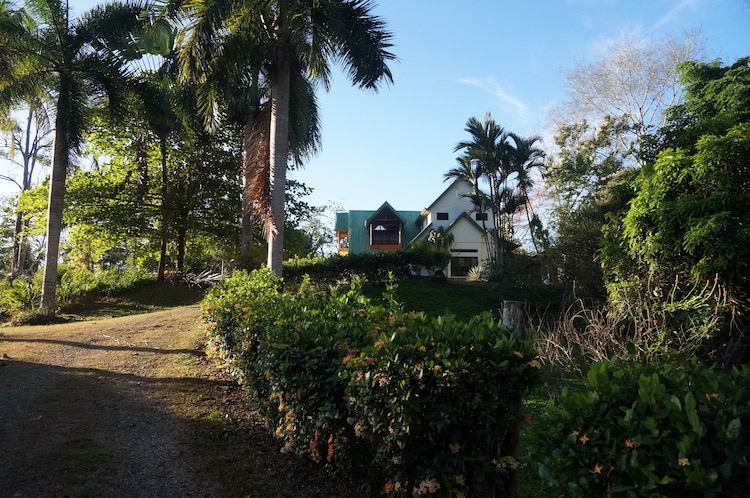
690, 210
79, 61
299, 36
29, 146
108, 207
504, 162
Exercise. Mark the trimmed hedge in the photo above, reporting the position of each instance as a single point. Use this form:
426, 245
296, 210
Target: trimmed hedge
414, 405
375, 268
658, 430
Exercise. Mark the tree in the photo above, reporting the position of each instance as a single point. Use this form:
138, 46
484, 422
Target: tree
690, 209
106, 205
717, 98
78, 60
299, 37
504, 162
32, 143
635, 79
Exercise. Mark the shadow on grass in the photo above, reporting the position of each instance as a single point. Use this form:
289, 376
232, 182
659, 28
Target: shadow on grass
86, 345
70, 431
155, 296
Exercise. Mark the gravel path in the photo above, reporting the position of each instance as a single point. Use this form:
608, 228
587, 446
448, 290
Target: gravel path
92, 408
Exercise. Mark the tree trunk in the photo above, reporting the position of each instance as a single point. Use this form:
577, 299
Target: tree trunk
181, 241
279, 145
248, 173
161, 272
60, 159
513, 318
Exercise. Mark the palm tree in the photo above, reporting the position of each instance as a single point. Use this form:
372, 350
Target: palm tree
468, 169
77, 60
300, 37
231, 88
489, 147
524, 157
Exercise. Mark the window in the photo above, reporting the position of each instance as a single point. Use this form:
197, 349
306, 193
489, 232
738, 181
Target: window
481, 216
385, 234
442, 216
460, 266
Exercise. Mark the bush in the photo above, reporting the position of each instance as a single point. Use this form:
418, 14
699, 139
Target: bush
661, 429
21, 294
75, 283
437, 398
375, 268
410, 403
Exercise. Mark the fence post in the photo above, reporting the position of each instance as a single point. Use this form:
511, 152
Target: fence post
513, 317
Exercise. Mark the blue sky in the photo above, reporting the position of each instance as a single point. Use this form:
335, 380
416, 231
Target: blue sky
467, 58
459, 59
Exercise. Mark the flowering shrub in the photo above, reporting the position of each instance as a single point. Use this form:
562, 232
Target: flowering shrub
661, 429
435, 398
418, 405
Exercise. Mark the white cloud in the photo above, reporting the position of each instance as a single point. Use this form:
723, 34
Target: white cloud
674, 12
492, 87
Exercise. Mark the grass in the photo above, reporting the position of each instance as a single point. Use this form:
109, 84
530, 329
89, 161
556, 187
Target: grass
157, 296
466, 299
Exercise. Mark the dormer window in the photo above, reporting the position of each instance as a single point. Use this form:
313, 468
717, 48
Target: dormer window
385, 228
442, 216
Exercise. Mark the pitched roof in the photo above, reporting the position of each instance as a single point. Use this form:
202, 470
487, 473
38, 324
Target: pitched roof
357, 221
445, 192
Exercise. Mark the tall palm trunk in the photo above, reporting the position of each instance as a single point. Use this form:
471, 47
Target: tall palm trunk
279, 146
248, 179
60, 160
164, 211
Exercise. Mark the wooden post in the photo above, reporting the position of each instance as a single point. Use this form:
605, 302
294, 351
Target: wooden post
513, 317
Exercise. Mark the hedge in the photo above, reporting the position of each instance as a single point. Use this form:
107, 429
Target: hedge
412, 404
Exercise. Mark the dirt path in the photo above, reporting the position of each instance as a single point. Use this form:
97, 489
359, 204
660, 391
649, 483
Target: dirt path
130, 407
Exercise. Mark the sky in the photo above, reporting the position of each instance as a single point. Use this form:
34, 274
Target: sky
459, 59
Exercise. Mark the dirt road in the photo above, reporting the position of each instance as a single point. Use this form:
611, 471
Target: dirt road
130, 407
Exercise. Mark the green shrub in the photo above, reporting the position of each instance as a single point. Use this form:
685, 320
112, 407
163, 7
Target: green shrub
661, 429
75, 283
409, 402
375, 268
21, 294
436, 398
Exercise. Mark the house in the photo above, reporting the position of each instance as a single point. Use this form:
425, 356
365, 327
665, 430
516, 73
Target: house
386, 229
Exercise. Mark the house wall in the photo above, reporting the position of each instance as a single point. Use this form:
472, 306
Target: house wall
454, 202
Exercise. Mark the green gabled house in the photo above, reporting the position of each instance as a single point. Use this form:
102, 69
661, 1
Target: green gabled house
386, 229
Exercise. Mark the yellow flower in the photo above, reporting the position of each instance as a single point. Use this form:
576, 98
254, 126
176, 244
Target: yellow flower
505, 462
455, 448
460, 480
597, 469
683, 462
427, 486
584, 439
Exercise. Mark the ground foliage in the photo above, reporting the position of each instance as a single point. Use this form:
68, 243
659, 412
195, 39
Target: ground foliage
415, 404
667, 428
